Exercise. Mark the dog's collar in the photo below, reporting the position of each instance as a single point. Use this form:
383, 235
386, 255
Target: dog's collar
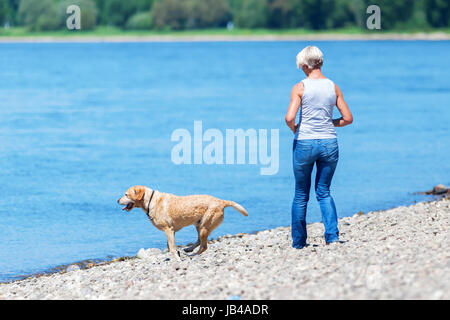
148, 206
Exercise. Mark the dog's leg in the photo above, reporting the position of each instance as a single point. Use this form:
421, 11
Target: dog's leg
206, 229
170, 234
195, 245
204, 233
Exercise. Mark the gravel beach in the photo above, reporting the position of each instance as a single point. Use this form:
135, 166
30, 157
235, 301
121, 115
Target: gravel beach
401, 253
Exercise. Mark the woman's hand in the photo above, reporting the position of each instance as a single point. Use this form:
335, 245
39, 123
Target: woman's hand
296, 100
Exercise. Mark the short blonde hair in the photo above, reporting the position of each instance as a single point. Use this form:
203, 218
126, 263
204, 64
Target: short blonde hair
311, 57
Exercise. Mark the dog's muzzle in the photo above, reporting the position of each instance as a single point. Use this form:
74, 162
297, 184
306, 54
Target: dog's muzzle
128, 205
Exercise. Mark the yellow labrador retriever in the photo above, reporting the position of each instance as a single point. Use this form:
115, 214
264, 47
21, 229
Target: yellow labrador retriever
170, 213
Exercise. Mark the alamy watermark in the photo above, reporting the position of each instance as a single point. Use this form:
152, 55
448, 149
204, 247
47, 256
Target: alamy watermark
374, 20
73, 22
210, 147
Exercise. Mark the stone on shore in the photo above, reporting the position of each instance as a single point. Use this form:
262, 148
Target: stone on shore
438, 190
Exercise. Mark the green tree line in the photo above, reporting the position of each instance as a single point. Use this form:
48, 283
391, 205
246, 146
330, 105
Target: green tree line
39, 15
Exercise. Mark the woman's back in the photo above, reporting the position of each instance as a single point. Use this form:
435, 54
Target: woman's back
316, 115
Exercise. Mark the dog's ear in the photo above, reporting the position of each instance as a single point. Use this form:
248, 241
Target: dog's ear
139, 191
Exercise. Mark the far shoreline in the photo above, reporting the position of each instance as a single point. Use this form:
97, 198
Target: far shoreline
92, 38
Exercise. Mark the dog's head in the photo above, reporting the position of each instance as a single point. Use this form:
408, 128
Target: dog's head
133, 198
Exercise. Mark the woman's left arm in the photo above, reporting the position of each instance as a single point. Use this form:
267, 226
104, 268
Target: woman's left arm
296, 100
347, 117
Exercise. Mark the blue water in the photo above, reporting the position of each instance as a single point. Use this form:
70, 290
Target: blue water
80, 123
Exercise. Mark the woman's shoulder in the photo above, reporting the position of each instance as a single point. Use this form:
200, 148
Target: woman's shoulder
332, 84
329, 80
299, 87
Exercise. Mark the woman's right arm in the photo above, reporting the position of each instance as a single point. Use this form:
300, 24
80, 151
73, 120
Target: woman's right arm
347, 117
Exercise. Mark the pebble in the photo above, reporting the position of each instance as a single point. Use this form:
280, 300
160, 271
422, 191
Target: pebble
73, 267
148, 253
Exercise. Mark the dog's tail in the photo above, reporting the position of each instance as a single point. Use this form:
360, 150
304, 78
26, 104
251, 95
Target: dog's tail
236, 206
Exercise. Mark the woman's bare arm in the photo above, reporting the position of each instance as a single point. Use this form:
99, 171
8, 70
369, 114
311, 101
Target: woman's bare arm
296, 100
347, 117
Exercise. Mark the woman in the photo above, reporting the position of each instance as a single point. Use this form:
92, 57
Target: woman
315, 143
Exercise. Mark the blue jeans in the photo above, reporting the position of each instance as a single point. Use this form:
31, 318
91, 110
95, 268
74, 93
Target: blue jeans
325, 154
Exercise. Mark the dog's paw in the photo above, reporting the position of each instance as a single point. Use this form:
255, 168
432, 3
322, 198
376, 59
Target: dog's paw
176, 256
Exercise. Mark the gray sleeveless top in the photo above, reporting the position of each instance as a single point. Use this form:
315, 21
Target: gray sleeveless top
316, 114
